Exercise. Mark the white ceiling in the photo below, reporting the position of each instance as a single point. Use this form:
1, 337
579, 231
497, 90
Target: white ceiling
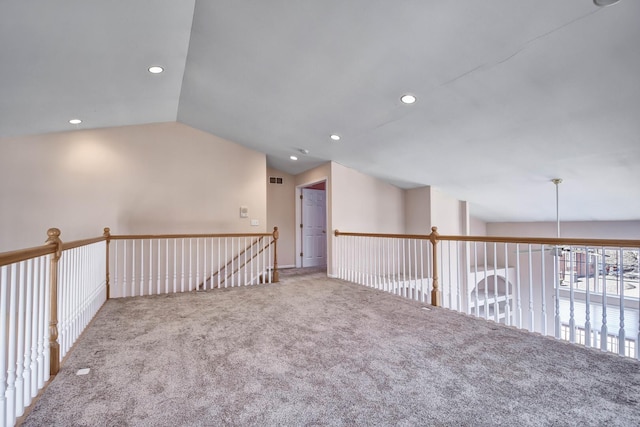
511, 93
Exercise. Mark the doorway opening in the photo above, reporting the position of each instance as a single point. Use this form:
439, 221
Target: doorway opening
311, 217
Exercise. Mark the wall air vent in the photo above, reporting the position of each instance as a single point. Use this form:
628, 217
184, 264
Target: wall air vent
275, 180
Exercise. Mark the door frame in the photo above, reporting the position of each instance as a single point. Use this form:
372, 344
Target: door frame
299, 245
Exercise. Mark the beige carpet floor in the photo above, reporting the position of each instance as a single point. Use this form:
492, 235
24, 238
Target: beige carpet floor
312, 351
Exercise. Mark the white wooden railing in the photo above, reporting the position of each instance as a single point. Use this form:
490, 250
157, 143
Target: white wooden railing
151, 265
581, 290
24, 323
50, 293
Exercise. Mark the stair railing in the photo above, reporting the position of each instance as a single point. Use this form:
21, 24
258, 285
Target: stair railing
50, 293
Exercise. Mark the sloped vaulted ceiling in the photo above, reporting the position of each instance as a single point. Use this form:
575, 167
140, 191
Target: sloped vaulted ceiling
510, 93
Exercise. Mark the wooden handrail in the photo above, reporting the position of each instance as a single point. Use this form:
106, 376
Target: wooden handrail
184, 236
7, 258
553, 241
78, 243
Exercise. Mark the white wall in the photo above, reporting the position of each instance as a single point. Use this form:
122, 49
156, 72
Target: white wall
477, 227
361, 203
446, 213
417, 210
365, 204
160, 178
571, 229
281, 213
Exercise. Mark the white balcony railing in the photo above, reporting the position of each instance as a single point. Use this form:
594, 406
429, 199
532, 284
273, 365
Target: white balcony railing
583, 291
49, 294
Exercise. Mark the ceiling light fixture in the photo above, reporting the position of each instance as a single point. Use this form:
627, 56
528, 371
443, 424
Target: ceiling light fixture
408, 99
335, 137
75, 121
293, 157
603, 3
155, 69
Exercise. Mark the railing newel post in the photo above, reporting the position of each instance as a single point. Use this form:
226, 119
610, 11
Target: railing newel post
54, 347
436, 293
276, 274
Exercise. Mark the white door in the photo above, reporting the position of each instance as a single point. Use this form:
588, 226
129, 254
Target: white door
314, 230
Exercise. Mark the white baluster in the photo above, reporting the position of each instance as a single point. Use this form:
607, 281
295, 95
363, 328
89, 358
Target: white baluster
396, 265
638, 337
150, 291
20, 347
34, 328
270, 260
604, 330
475, 279
212, 268
174, 266
531, 312
556, 282
507, 284
30, 313
158, 269
447, 290
404, 270
204, 262
422, 243
11, 356
518, 290
47, 315
198, 263
356, 259
133, 267
415, 273
166, 266
572, 320
365, 260
621, 331
544, 289
4, 295
485, 280
587, 323
461, 278
124, 268
190, 264
43, 319
182, 268
245, 261
233, 258
142, 270
496, 304
226, 261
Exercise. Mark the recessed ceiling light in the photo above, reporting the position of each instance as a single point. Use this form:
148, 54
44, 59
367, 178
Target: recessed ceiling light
603, 3
335, 137
155, 69
293, 157
75, 121
408, 99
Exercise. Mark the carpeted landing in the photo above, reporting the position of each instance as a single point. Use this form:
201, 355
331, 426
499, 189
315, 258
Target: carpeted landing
315, 351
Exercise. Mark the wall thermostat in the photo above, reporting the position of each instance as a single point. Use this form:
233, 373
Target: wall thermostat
244, 212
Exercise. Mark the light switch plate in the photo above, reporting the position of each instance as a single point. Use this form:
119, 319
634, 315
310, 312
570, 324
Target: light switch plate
255, 222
